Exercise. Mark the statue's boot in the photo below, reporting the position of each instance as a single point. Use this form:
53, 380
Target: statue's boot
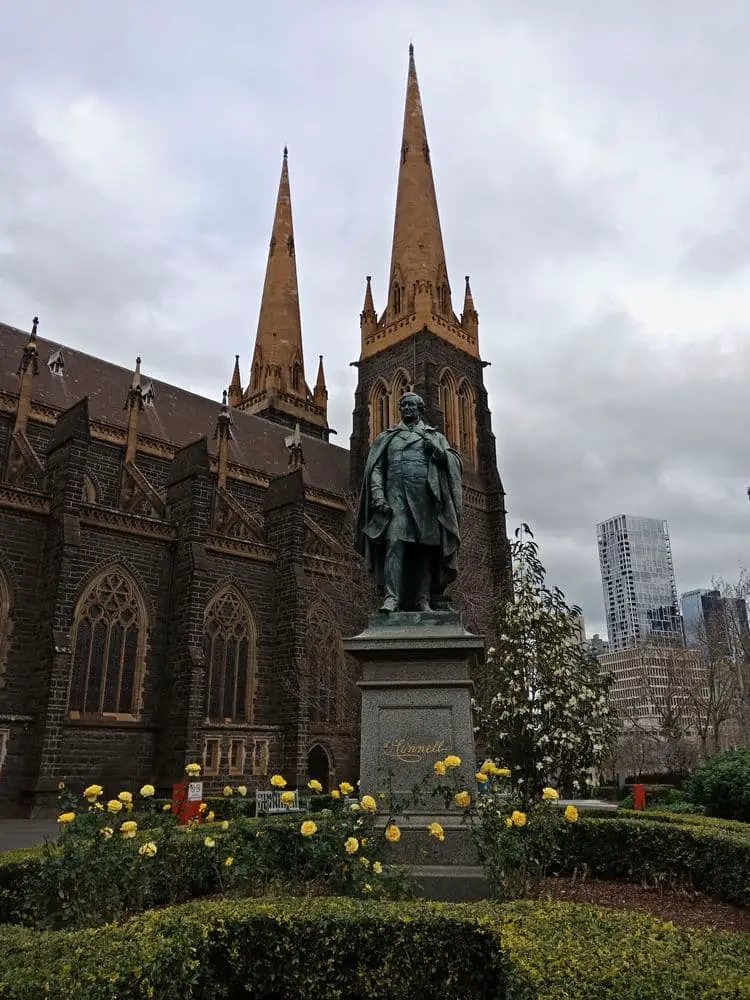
389, 604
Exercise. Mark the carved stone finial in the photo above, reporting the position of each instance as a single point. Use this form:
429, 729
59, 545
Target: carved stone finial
293, 444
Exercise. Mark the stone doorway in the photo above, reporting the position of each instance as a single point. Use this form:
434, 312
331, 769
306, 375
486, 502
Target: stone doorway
319, 766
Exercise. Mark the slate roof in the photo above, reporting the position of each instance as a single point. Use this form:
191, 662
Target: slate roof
178, 417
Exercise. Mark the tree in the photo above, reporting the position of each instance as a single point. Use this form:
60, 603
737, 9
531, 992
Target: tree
548, 719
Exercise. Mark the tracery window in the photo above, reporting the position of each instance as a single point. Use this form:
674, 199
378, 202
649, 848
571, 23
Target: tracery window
467, 439
231, 649
448, 397
4, 621
379, 409
108, 647
325, 657
399, 385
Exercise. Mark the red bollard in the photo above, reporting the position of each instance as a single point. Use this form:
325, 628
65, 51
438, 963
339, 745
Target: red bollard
186, 800
639, 796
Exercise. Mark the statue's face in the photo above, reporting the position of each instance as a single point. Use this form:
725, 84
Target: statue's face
409, 408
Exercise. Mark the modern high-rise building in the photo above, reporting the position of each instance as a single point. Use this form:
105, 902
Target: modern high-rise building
640, 594
718, 624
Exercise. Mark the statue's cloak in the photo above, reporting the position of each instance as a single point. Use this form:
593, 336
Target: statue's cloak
444, 483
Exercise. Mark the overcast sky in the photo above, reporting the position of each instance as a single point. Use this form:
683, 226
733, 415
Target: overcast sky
591, 161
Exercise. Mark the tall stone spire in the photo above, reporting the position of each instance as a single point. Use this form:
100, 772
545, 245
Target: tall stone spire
235, 386
417, 256
278, 390
278, 361
419, 293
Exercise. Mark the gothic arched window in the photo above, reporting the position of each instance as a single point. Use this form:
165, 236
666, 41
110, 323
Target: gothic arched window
231, 647
325, 657
4, 621
467, 440
448, 397
379, 409
109, 645
399, 385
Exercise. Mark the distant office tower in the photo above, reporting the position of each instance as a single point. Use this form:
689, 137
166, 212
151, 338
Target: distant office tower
597, 645
715, 623
640, 595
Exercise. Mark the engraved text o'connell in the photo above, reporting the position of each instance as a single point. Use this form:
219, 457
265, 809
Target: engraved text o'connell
412, 753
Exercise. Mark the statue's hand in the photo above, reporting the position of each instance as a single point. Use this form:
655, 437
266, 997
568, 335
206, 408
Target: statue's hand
381, 507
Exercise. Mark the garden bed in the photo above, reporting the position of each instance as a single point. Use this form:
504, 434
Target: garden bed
682, 907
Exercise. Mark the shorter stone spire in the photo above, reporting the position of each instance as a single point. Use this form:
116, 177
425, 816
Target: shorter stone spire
368, 318
320, 392
470, 317
27, 369
235, 386
30, 353
223, 434
134, 405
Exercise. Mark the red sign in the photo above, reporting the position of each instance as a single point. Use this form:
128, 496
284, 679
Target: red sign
184, 804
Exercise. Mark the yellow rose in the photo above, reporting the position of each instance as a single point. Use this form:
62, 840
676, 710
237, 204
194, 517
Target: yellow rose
462, 800
550, 794
346, 788
314, 785
242, 790
129, 806
66, 818
508, 821
367, 887
61, 786
93, 792
481, 777
377, 868
210, 816
148, 791
502, 772
335, 793
571, 814
209, 842
354, 807
167, 807
287, 799
97, 807
452, 761
351, 845
435, 830
488, 767
129, 829
125, 797
364, 862
106, 832
439, 768
202, 807
225, 825
192, 770
148, 850
229, 862
114, 806
392, 833
368, 803
308, 828
277, 781
518, 817
227, 792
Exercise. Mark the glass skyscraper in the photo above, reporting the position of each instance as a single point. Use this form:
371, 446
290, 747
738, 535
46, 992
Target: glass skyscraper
640, 595
719, 624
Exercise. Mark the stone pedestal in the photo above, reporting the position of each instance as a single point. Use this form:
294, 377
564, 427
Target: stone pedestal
416, 699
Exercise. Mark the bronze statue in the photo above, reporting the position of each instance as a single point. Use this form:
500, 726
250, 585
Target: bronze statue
409, 511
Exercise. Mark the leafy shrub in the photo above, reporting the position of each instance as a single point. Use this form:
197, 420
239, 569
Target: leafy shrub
332, 949
714, 861
627, 801
722, 785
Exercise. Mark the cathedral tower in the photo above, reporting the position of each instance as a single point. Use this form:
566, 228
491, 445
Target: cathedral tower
418, 342
278, 390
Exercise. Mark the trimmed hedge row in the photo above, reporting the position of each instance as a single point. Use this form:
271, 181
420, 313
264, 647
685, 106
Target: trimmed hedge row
688, 819
716, 862
334, 949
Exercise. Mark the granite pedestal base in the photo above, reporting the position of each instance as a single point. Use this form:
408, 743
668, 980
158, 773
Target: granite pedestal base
416, 700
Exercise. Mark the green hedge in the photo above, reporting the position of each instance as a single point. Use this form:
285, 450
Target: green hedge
333, 949
716, 862
722, 785
687, 819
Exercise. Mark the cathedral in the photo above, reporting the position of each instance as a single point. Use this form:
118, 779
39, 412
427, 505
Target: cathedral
176, 574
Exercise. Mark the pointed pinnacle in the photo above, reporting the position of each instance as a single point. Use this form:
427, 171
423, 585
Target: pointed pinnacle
236, 382
224, 399
468, 299
320, 382
286, 152
369, 307
136, 381
34, 325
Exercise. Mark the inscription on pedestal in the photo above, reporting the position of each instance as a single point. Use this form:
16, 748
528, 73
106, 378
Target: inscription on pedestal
410, 740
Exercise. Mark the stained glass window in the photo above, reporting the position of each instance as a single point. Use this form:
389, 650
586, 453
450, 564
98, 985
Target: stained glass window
230, 643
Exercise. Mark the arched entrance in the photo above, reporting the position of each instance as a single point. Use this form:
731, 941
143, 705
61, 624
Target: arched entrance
319, 765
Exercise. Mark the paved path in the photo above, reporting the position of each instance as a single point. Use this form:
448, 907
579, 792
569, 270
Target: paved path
26, 832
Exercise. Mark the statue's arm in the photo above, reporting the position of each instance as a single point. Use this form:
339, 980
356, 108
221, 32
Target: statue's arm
377, 484
437, 447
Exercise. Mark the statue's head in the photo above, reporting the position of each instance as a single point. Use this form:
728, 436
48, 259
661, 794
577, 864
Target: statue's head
411, 407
